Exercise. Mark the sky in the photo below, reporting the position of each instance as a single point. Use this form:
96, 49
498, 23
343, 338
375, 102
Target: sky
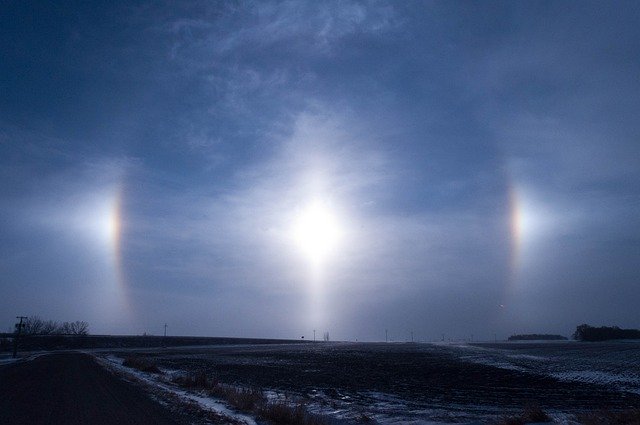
267, 169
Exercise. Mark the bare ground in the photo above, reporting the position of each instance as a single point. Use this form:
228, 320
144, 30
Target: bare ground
413, 381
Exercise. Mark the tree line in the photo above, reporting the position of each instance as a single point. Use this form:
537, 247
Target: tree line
34, 325
591, 333
536, 337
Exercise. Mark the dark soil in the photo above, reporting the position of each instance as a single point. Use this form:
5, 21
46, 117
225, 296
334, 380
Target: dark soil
82, 342
425, 375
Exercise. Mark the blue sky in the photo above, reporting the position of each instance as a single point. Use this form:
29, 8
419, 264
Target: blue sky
478, 162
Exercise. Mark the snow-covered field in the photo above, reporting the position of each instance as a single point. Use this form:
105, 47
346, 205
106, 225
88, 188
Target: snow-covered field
416, 383
612, 364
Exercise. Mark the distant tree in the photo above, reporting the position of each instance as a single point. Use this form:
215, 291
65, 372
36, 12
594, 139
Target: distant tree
49, 327
79, 328
534, 337
581, 332
325, 337
585, 332
33, 325
65, 328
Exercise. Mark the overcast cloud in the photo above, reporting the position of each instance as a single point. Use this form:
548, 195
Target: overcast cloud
480, 162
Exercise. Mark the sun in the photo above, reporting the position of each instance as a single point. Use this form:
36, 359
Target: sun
317, 231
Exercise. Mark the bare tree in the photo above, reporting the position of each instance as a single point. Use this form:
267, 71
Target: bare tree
49, 327
65, 328
33, 325
325, 337
79, 328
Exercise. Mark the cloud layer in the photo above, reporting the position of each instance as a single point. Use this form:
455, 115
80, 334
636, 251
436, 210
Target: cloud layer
481, 160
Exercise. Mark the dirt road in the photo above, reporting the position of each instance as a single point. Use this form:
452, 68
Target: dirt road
71, 388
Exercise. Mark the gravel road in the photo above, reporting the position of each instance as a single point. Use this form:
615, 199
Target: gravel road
71, 388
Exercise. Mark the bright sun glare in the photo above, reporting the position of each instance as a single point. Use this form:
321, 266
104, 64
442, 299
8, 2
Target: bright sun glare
317, 231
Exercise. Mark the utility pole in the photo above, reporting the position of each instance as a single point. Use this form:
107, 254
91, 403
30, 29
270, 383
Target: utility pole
19, 327
314, 335
386, 335
411, 336
164, 340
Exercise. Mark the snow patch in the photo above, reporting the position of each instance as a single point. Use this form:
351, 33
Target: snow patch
205, 402
8, 360
628, 382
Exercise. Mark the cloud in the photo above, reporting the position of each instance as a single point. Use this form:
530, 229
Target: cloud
240, 241
253, 66
316, 26
64, 226
221, 122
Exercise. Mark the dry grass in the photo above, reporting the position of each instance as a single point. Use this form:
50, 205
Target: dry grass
285, 414
141, 364
197, 380
244, 399
252, 401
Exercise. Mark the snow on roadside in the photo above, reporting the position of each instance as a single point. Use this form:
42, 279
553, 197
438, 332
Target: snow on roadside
8, 360
204, 402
